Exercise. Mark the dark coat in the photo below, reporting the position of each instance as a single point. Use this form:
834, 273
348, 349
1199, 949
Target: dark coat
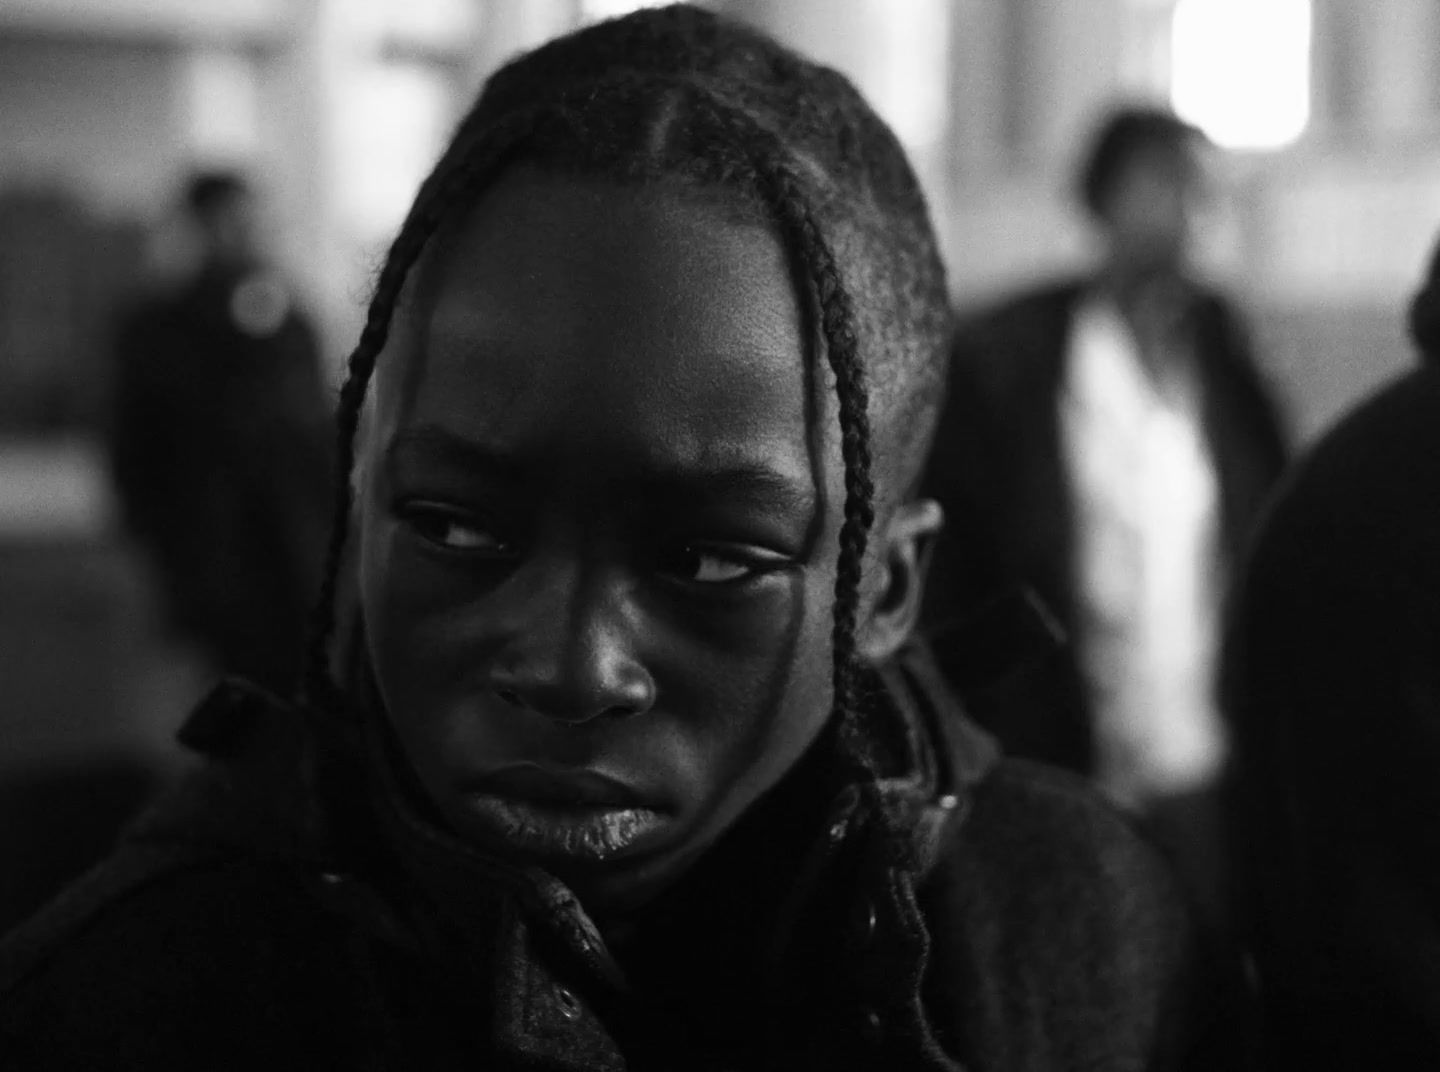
220, 441
998, 469
973, 913
1333, 663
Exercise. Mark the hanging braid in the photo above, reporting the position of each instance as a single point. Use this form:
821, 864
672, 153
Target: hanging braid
781, 188
680, 97
433, 205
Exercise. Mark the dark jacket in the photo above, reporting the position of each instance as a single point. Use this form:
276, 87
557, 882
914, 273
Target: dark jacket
1333, 663
971, 913
998, 469
220, 441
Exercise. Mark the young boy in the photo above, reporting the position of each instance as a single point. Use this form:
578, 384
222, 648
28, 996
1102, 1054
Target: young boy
633, 764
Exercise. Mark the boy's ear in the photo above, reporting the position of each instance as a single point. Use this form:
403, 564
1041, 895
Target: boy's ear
902, 559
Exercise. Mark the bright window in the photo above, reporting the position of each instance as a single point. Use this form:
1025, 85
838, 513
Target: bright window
1241, 69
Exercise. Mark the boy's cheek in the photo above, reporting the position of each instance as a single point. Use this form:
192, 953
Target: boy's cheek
722, 672
755, 632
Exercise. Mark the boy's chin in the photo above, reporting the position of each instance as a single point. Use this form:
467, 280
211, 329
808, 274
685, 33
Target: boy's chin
614, 862
615, 889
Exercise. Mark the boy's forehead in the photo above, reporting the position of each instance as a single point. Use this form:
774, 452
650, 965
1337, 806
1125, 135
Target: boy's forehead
601, 303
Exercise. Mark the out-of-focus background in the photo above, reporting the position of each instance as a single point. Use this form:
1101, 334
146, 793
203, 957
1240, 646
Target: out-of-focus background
336, 108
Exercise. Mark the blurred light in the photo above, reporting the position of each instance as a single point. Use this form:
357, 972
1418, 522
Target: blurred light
223, 105
432, 24
610, 9
389, 136
906, 75
1241, 69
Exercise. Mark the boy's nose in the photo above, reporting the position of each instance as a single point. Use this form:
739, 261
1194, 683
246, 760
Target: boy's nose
571, 657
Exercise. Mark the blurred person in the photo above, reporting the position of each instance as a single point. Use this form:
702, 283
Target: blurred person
219, 442
1332, 665
627, 759
1107, 445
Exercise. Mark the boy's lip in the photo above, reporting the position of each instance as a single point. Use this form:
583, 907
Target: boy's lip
557, 786
574, 816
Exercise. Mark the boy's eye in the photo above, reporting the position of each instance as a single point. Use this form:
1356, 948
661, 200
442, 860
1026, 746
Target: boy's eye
703, 564
454, 531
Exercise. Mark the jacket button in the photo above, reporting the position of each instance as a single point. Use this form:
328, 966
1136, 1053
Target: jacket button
865, 921
871, 1027
569, 1004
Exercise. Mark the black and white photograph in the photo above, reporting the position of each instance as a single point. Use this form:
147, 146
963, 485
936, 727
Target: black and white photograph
724, 536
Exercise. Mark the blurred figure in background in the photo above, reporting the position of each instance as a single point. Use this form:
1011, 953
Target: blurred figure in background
220, 438
1333, 669
1107, 444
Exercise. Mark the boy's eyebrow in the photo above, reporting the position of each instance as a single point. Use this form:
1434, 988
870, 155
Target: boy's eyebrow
739, 476
752, 480
436, 444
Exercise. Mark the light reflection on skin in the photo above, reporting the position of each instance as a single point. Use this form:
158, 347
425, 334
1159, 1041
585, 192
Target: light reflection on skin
576, 832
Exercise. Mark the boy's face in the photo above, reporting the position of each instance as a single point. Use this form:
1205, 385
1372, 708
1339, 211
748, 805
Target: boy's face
599, 528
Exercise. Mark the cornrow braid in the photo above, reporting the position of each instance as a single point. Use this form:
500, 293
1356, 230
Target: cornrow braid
678, 95
780, 187
433, 204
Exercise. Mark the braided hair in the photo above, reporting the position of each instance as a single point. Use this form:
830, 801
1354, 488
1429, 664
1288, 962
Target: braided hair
679, 97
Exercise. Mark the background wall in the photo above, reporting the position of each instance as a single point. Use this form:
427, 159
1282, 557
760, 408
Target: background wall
340, 105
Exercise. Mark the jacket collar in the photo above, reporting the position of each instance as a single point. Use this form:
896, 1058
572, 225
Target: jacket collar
929, 757
538, 946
